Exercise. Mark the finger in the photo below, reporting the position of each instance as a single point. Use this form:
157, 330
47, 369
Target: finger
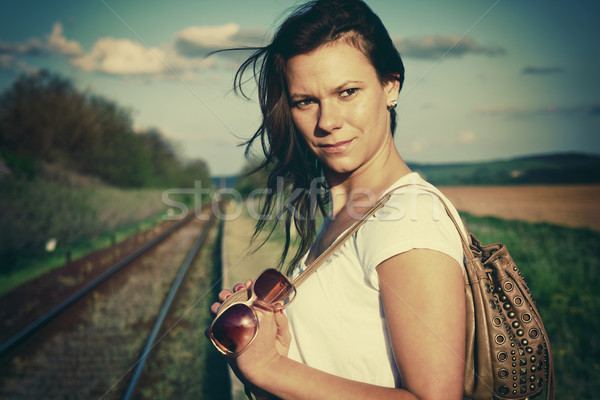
249, 284
282, 322
238, 287
283, 331
214, 308
224, 294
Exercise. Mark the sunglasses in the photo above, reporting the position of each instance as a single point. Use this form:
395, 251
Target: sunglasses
236, 324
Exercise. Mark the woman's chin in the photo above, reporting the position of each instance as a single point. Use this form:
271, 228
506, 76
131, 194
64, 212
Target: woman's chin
340, 169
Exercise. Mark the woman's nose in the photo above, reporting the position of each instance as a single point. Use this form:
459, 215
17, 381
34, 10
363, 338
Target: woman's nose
330, 117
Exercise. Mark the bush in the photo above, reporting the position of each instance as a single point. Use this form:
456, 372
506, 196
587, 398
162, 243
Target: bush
35, 211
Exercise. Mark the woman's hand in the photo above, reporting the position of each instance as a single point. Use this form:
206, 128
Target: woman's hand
271, 343
224, 295
272, 340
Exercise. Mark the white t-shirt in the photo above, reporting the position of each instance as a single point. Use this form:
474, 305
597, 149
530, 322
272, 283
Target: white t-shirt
336, 320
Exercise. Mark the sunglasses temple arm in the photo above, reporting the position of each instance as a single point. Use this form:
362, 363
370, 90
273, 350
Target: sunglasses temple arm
266, 306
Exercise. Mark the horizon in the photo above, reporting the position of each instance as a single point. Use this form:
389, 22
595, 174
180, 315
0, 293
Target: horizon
485, 80
483, 161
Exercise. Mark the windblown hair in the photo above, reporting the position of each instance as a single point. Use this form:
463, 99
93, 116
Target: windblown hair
287, 156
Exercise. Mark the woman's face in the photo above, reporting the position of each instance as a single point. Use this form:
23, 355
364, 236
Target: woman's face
339, 106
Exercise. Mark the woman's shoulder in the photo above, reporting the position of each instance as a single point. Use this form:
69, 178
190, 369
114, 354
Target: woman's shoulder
414, 217
412, 196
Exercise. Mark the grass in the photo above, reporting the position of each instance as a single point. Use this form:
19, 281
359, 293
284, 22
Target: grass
245, 261
30, 266
562, 268
81, 220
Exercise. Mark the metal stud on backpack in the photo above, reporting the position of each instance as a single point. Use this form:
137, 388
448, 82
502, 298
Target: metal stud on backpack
508, 352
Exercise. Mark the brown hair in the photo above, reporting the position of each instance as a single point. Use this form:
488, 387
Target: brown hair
286, 155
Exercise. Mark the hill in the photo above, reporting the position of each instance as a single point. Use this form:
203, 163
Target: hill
562, 168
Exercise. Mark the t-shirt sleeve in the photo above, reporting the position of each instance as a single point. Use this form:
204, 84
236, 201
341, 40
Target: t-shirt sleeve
409, 220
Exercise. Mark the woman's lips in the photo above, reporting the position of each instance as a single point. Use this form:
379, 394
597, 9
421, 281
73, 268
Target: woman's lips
336, 147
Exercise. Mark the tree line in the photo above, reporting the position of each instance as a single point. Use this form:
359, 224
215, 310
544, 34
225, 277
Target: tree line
44, 118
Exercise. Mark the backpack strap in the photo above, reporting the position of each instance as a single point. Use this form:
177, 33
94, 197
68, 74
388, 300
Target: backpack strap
364, 218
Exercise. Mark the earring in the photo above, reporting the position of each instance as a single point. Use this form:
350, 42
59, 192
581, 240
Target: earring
393, 104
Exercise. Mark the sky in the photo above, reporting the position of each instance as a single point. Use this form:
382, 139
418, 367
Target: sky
485, 79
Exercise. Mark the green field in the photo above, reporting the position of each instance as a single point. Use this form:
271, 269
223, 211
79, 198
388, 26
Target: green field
80, 220
561, 266
562, 269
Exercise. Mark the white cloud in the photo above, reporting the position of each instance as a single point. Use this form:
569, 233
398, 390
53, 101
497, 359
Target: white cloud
6, 61
55, 43
467, 137
58, 43
198, 41
121, 56
181, 58
125, 57
9, 62
31, 47
436, 46
208, 37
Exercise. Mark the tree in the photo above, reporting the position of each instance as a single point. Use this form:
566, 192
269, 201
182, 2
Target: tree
250, 179
44, 118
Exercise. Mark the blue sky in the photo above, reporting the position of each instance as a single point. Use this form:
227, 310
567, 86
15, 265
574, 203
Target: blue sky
486, 79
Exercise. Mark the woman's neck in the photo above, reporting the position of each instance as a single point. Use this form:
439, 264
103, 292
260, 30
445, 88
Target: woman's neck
365, 185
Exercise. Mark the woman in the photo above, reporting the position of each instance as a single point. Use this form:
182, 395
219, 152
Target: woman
384, 316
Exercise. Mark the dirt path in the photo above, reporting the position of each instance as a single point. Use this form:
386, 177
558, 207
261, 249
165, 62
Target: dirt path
569, 205
239, 264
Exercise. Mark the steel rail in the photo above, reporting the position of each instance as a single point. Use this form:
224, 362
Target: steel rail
29, 330
137, 373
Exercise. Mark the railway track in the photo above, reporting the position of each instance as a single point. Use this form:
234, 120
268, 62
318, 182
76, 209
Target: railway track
96, 343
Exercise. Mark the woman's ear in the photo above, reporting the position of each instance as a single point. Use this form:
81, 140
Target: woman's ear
391, 87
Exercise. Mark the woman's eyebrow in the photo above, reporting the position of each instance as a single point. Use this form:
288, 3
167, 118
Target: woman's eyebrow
296, 96
344, 85
334, 90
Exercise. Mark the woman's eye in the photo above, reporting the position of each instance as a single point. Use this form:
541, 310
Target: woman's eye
348, 92
303, 103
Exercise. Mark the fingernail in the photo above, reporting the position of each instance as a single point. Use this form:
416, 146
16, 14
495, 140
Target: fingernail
228, 296
281, 310
238, 287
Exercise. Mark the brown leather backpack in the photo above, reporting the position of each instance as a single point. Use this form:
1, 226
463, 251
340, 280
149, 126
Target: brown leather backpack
508, 352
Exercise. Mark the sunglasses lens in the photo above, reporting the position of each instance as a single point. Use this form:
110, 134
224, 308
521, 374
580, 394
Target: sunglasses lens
272, 286
235, 328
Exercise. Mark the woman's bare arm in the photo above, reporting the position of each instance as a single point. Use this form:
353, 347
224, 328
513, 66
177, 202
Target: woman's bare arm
424, 302
423, 298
